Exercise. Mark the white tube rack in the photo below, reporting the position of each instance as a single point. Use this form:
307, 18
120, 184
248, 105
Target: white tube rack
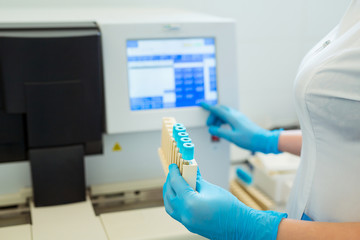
169, 154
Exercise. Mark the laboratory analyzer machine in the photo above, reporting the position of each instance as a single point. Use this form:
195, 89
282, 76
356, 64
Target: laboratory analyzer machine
83, 93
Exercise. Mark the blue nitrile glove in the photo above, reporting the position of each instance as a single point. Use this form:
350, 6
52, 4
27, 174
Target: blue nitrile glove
215, 213
243, 132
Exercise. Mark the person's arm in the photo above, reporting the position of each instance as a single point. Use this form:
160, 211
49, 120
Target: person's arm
215, 213
299, 230
290, 141
246, 134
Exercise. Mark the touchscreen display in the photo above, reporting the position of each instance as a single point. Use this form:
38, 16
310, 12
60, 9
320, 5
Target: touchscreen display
171, 73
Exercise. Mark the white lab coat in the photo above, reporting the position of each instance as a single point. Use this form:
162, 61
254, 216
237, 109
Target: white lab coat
327, 93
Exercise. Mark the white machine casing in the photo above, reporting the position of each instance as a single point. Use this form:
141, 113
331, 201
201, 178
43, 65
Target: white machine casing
137, 165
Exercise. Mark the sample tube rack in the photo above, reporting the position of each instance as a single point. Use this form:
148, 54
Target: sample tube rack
176, 147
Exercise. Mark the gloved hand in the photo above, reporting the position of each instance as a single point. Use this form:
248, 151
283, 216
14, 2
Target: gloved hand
215, 213
244, 133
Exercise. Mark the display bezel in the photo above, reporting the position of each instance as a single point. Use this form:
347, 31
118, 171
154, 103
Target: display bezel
119, 117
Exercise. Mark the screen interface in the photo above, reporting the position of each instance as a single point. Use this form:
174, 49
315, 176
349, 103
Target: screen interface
171, 73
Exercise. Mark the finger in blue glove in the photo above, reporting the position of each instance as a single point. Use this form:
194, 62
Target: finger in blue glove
242, 132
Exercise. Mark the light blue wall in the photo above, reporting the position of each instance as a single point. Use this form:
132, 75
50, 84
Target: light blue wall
272, 38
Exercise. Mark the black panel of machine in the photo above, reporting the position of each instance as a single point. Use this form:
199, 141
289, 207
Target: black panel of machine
12, 137
53, 171
56, 114
51, 91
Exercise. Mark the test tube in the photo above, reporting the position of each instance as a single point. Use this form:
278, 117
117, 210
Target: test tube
188, 167
181, 135
180, 146
187, 155
178, 127
182, 141
176, 130
188, 151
